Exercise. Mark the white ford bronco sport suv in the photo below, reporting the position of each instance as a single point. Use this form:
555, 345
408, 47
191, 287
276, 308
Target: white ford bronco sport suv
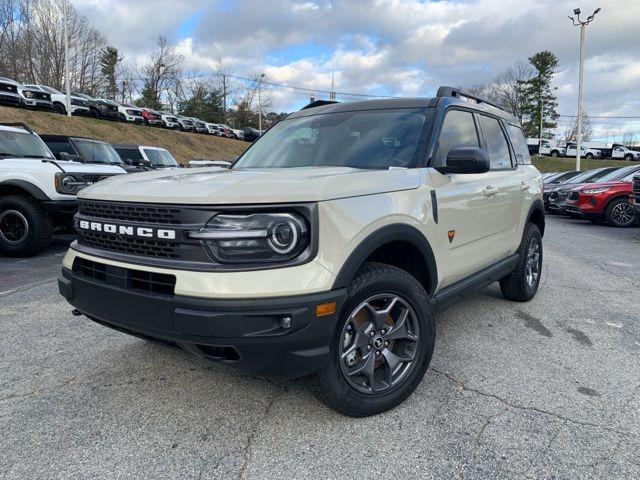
325, 249
37, 192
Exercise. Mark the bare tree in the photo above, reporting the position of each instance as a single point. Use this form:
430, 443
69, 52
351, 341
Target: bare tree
505, 87
629, 138
162, 71
570, 133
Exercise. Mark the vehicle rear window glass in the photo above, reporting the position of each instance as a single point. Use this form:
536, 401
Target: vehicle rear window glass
497, 146
519, 144
458, 130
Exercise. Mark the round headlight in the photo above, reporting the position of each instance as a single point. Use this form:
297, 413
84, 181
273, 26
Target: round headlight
283, 237
68, 183
28, 94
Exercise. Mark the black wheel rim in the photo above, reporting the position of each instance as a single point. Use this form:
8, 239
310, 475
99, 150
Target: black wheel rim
379, 344
533, 263
14, 227
623, 213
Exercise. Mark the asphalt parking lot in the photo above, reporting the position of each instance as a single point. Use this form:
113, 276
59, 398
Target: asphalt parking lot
548, 389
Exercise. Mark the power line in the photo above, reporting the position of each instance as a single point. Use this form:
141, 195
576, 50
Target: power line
306, 89
603, 116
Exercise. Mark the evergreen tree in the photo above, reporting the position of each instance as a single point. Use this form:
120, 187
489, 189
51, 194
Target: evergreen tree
204, 103
108, 64
149, 97
536, 94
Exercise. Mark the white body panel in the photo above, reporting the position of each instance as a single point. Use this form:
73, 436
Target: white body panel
572, 151
623, 152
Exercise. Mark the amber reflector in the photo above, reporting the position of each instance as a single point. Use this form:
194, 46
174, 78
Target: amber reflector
323, 309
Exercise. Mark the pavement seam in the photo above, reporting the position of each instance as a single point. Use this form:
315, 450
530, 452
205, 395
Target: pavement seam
461, 385
26, 287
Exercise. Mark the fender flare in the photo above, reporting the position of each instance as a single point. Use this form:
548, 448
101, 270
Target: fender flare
30, 188
537, 206
382, 236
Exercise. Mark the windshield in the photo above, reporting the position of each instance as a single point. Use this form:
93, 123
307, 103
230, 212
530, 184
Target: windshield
97, 152
565, 177
620, 173
160, 158
364, 139
50, 89
590, 176
17, 144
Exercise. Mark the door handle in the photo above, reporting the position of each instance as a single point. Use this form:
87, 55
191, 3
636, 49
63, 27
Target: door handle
489, 191
524, 186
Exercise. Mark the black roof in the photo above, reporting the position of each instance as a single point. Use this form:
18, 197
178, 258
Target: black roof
64, 138
446, 96
125, 145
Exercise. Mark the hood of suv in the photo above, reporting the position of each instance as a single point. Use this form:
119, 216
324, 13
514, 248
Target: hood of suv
217, 186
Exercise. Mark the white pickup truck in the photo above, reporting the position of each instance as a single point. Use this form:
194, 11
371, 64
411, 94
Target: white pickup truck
552, 150
585, 152
619, 151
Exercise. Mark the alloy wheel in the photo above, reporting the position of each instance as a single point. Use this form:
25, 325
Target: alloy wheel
14, 227
379, 344
623, 213
532, 262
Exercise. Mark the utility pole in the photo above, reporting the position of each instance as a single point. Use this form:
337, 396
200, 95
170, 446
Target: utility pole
67, 75
541, 119
124, 84
260, 104
577, 22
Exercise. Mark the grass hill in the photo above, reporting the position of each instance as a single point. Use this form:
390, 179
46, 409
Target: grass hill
550, 164
183, 145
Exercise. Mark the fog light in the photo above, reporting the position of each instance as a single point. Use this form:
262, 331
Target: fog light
285, 322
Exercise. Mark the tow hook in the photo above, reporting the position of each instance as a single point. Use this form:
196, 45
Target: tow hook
76, 313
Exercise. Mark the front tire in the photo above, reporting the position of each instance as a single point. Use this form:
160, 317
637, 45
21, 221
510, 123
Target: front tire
522, 284
25, 228
589, 156
628, 157
554, 153
382, 344
59, 108
620, 213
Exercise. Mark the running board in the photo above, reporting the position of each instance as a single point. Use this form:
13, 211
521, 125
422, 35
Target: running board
469, 285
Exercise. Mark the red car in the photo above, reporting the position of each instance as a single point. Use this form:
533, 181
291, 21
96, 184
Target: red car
151, 117
605, 201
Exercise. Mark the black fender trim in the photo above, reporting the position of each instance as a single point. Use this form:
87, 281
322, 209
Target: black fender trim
388, 234
30, 188
537, 205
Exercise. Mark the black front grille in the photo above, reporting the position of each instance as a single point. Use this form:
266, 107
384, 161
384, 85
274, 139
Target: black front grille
131, 213
636, 185
8, 88
125, 278
129, 246
572, 196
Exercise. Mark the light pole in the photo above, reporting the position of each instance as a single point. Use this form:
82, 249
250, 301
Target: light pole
260, 104
582, 23
67, 80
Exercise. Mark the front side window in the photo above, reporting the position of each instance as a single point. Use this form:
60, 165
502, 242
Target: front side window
520, 145
97, 152
25, 145
129, 154
497, 146
458, 130
376, 139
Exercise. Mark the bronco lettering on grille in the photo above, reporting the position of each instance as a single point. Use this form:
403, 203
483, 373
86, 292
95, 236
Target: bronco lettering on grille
145, 232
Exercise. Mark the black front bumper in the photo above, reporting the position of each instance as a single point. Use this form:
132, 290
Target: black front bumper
248, 333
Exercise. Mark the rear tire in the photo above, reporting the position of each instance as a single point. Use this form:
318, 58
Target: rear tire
620, 213
378, 359
25, 228
522, 284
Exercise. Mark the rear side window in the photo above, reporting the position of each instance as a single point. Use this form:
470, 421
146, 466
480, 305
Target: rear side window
497, 146
520, 145
458, 130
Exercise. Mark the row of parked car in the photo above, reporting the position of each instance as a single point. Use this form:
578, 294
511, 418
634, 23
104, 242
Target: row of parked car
44, 97
617, 151
40, 176
607, 194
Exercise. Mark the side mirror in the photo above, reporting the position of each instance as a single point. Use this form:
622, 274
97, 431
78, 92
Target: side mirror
466, 160
69, 157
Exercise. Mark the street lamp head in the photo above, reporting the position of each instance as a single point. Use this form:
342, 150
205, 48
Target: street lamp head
576, 11
597, 11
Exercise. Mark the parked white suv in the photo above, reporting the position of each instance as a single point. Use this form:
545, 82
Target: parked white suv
325, 249
154, 157
130, 114
620, 151
37, 192
79, 106
585, 152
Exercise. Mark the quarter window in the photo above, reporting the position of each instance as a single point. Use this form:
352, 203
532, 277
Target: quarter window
497, 146
520, 145
458, 130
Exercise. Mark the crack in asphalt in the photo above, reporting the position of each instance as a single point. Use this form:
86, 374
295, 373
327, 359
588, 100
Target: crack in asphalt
24, 288
248, 448
461, 384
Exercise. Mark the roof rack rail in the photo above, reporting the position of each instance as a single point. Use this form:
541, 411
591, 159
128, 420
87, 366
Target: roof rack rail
18, 125
318, 103
458, 93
